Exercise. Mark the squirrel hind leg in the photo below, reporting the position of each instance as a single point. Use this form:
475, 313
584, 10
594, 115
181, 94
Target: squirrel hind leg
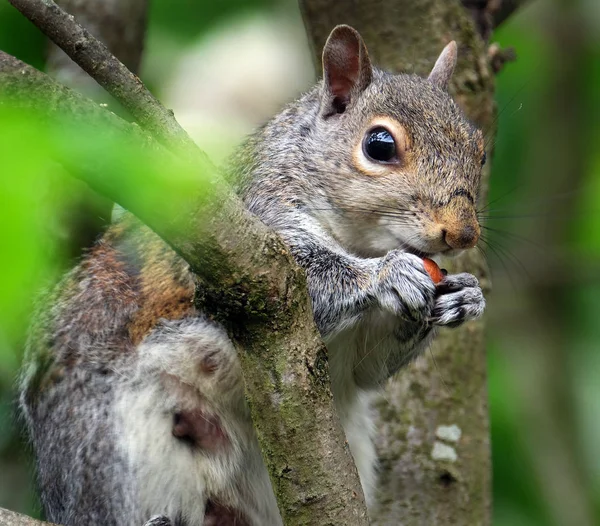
186, 428
198, 369
197, 353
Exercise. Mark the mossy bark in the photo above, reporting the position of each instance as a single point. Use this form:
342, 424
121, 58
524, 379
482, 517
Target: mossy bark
447, 387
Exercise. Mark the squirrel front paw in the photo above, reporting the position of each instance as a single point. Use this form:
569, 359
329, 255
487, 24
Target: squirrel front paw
458, 299
404, 287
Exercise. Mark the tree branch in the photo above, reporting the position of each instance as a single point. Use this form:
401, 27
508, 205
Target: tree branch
506, 10
94, 57
119, 24
249, 281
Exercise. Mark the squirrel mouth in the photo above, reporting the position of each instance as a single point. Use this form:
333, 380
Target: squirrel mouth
431, 255
415, 251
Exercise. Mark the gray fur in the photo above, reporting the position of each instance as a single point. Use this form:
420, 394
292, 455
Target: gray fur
444, 66
101, 405
460, 300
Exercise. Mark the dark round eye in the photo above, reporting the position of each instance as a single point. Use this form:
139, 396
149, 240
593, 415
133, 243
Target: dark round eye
379, 145
483, 159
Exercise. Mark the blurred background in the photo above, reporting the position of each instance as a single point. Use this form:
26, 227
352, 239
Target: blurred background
226, 67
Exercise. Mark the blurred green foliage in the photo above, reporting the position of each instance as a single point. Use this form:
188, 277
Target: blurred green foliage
544, 230
35, 233
19, 38
27, 259
186, 20
544, 334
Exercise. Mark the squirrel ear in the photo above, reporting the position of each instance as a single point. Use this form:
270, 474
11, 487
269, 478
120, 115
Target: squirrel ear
346, 68
444, 66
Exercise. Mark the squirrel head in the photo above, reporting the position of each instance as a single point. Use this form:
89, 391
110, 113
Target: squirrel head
403, 164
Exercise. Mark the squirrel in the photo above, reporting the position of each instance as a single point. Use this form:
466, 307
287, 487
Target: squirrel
134, 400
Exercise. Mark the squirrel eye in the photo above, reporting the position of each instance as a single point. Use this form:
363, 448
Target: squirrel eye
379, 145
483, 159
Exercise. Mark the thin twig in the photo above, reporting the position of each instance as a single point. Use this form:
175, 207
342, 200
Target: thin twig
95, 58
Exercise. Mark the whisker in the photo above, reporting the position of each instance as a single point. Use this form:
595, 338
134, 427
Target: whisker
540, 202
518, 237
485, 257
501, 260
514, 260
486, 207
382, 210
516, 216
370, 351
499, 114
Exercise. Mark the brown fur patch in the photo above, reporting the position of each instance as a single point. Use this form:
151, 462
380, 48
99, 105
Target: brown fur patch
167, 300
166, 287
96, 301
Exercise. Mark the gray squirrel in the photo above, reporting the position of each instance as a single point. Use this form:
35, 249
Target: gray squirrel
134, 400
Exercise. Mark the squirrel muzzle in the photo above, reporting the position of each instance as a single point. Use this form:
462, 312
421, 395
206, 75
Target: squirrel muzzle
459, 224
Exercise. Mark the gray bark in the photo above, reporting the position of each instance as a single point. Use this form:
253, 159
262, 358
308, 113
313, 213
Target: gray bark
489, 14
418, 488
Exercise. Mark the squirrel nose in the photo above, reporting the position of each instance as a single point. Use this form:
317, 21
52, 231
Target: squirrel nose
462, 237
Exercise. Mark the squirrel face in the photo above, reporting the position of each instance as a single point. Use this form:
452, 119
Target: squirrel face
403, 163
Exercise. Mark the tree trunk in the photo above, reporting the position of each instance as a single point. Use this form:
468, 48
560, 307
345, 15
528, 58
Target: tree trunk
429, 476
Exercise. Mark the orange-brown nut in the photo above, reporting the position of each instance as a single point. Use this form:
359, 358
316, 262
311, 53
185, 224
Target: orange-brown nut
433, 270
